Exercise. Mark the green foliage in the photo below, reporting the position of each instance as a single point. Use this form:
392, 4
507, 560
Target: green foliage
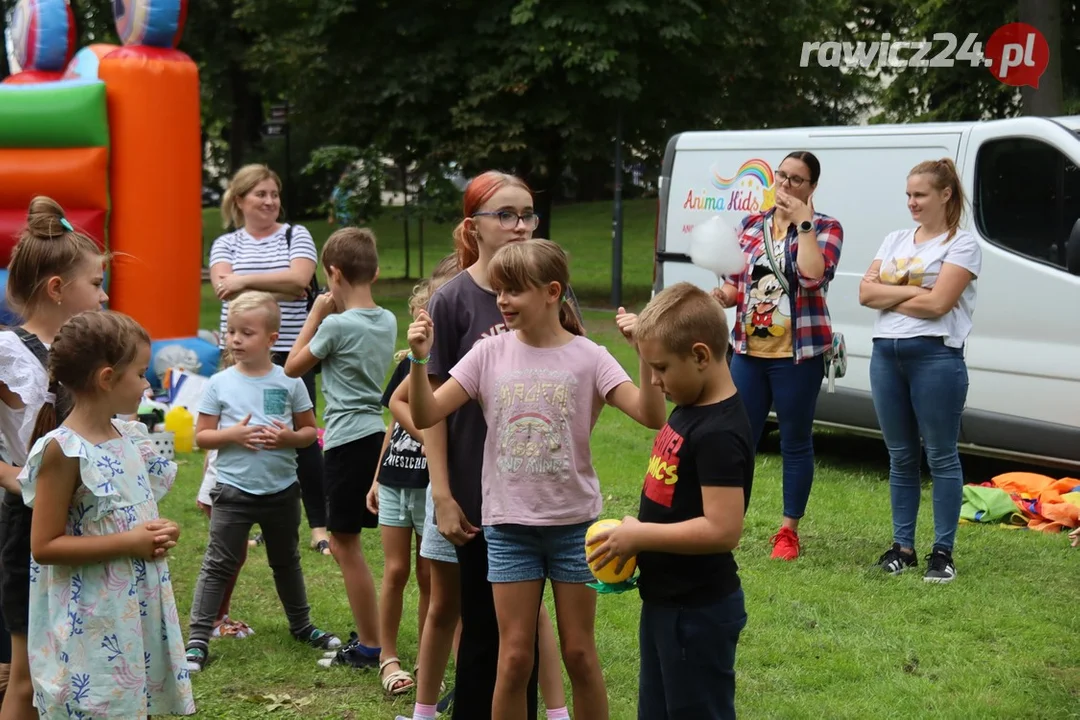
536, 87
357, 174
961, 92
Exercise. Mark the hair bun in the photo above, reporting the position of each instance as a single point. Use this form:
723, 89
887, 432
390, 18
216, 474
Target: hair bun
44, 217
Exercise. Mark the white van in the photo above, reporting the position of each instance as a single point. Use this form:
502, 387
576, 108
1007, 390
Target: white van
1022, 181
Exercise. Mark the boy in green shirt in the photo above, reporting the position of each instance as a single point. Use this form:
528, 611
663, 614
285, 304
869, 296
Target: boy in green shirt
354, 340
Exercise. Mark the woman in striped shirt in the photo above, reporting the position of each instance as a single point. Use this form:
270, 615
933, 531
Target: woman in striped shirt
265, 254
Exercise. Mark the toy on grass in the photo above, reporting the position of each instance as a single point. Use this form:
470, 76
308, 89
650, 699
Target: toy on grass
714, 246
608, 580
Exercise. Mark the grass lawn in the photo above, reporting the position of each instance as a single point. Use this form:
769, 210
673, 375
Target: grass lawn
827, 637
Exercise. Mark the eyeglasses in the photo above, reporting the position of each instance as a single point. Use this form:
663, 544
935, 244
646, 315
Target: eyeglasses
508, 219
793, 180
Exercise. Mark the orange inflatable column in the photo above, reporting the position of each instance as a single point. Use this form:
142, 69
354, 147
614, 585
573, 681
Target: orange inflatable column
155, 226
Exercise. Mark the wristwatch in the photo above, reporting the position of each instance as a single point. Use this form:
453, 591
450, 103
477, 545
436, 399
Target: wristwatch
805, 226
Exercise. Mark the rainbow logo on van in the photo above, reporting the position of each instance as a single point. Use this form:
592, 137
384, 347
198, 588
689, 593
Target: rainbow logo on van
756, 169
750, 189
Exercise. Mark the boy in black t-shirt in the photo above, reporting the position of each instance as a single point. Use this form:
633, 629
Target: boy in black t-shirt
696, 492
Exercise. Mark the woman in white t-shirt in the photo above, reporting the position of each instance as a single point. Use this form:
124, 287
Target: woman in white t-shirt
265, 254
922, 283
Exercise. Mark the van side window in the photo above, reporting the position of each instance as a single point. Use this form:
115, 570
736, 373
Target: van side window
1027, 197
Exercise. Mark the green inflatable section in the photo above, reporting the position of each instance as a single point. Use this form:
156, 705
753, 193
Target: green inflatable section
65, 114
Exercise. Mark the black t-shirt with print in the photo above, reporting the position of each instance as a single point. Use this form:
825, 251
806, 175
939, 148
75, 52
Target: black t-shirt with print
404, 465
700, 446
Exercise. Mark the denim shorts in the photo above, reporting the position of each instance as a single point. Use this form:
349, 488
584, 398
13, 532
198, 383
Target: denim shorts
402, 507
433, 546
521, 553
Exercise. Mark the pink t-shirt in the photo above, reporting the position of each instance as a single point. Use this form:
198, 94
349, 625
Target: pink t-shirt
540, 405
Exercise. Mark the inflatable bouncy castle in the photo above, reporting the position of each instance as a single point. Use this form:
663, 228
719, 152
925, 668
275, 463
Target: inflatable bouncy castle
112, 133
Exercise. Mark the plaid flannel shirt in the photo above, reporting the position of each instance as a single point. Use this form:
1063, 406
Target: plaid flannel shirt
810, 314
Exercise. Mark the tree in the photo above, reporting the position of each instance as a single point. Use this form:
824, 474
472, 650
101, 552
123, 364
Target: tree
1047, 99
964, 92
534, 88
5, 10
232, 92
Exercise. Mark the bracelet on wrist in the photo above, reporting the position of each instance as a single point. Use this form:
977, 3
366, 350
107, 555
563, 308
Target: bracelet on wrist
418, 361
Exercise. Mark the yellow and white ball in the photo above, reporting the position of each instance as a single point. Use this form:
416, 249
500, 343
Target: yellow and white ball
607, 573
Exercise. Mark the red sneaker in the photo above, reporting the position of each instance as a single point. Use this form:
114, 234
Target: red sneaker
785, 544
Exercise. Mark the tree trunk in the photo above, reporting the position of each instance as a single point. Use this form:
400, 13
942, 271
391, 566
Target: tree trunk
1046, 100
245, 122
5, 69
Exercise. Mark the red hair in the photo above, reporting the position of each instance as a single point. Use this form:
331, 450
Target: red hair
480, 189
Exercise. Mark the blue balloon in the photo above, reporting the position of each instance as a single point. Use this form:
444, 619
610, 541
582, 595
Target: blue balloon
156, 23
8, 317
42, 33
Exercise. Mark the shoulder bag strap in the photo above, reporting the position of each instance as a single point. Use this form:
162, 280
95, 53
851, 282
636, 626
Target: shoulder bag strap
768, 239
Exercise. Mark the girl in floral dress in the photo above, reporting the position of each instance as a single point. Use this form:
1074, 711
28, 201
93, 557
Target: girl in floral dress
107, 637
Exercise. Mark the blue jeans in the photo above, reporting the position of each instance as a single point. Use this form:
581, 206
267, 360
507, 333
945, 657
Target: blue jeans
523, 553
792, 389
920, 387
688, 660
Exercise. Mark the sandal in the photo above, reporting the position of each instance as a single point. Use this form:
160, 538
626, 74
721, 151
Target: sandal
323, 546
398, 682
257, 540
232, 628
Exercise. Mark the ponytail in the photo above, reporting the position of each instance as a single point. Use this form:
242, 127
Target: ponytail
465, 245
52, 413
943, 175
569, 318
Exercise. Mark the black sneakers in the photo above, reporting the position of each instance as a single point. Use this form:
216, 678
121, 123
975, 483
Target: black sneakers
195, 658
940, 567
350, 654
894, 561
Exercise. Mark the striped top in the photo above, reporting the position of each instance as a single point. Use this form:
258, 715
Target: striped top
272, 254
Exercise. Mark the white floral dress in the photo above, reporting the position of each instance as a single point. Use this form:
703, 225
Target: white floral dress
106, 637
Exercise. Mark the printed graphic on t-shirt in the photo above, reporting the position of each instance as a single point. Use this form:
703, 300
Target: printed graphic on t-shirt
497, 329
275, 401
767, 319
534, 409
404, 452
904, 271
663, 472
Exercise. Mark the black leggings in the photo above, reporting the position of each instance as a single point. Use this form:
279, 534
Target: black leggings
309, 462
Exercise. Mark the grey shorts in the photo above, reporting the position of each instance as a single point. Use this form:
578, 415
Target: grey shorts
433, 546
402, 507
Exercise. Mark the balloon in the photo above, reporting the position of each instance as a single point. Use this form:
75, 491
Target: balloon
156, 23
607, 573
715, 246
43, 34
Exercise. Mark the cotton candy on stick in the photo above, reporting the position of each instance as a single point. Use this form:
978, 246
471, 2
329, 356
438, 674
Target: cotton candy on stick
714, 246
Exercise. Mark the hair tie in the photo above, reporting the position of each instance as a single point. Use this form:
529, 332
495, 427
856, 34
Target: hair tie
65, 224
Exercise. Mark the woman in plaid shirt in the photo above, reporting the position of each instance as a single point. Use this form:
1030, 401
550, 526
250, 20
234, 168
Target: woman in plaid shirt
782, 327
